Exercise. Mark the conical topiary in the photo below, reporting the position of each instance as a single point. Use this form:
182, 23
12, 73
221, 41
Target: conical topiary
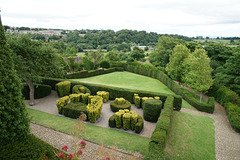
14, 119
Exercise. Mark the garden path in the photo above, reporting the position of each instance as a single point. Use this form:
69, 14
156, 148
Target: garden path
227, 140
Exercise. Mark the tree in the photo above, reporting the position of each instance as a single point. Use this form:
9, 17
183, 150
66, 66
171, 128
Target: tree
33, 59
198, 74
95, 57
137, 53
112, 56
229, 73
176, 67
14, 119
162, 51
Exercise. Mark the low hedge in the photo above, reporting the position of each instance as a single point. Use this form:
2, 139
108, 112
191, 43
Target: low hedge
85, 74
116, 105
161, 132
152, 109
74, 109
230, 100
40, 91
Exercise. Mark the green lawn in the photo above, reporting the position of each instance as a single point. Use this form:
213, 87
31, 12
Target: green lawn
131, 81
191, 137
123, 140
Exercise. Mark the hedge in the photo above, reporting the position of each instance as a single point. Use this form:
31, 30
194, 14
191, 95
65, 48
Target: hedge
159, 75
85, 74
230, 100
120, 103
94, 109
126, 119
115, 92
104, 95
80, 89
161, 132
40, 91
74, 109
152, 109
63, 88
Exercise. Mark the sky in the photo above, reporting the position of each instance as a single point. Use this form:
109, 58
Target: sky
184, 17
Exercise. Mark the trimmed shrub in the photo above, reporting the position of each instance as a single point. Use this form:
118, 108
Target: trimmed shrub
80, 74
118, 119
112, 122
104, 95
233, 112
164, 123
75, 97
80, 89
74, 109
134, 119
126, 121
61, 103
152, 109
137, 100
120, 103
94, 109
63, 88
139, 125
85, 98
40, 91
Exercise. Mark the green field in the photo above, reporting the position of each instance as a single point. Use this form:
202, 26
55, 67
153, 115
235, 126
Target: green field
191, 137
131, 81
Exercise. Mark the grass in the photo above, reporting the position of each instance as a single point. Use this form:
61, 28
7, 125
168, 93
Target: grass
191, 137
123, 140
131, 81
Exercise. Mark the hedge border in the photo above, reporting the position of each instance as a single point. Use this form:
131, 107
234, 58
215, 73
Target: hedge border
40, 91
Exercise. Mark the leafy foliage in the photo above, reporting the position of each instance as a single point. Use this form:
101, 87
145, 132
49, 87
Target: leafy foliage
14, 120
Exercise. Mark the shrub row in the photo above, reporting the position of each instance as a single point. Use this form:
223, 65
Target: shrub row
230, 100
104, 95
94, 108
160, 134
40, 91
138, 101
152, 109
126, 119
159, 75
120, 104
115, 92
85, 74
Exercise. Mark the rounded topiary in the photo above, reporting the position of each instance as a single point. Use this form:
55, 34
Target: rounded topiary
120, 103
63, 88
80, 89
152, 109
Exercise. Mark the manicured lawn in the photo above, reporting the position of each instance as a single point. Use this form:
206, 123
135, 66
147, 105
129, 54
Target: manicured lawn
131, 81
191, 137
123, 140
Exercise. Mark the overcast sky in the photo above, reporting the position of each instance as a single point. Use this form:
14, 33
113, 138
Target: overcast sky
184, 17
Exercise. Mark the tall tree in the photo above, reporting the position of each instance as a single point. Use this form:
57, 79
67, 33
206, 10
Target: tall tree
162, 51
137, 53
33, 59
176, 68
112, 56
95, 57
14, 120
229, 73
198, 74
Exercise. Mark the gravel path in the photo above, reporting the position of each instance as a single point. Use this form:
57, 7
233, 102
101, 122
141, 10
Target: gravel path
92, 150
227, 141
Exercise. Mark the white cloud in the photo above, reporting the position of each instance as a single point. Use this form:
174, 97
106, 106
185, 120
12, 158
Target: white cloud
188, 17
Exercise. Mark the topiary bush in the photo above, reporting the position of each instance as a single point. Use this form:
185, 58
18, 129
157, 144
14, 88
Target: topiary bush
61, 103
104, 95
104, 64
80, 89
152, 109
120, 103
126, 119
94, 109
74, 109
63, 88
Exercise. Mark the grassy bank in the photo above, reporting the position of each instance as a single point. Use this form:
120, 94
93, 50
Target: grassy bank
123, 140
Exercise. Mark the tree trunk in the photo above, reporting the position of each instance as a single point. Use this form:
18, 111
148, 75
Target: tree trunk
200, 97
31, 93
